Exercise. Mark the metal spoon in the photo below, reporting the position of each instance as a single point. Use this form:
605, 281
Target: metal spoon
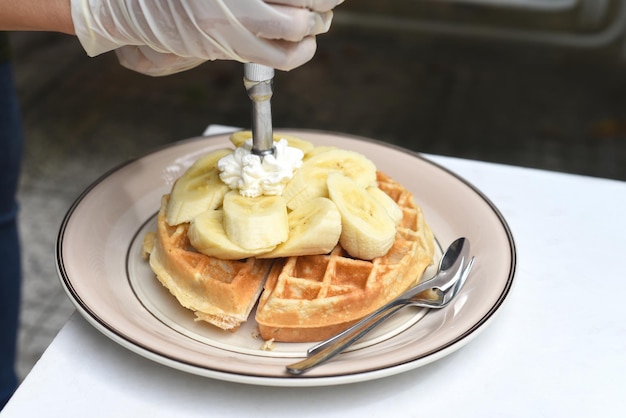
441, 283
444, 297
452, 273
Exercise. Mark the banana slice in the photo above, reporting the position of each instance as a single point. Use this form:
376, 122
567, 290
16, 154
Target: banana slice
314, 228
309, 181
255, 223
239, 138
390, 205
317, 150
367, 230
207, 235
197, 190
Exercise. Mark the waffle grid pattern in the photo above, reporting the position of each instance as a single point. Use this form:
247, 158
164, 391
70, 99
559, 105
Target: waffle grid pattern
311, 297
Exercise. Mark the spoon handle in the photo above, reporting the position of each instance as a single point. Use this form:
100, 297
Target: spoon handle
344, 340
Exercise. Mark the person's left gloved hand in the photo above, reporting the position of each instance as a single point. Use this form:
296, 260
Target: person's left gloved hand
166, 36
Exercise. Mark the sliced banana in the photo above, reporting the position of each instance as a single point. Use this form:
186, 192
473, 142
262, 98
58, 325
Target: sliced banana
309, 181
240, 137
314, 228
207, 235
367, 230
197, 190
302, 144
317, 150
255, 223
390, 205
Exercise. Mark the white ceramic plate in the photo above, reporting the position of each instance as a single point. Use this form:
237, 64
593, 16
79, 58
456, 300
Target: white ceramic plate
101, 269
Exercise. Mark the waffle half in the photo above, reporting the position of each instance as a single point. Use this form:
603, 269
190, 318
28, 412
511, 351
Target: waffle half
311, 298
221, 292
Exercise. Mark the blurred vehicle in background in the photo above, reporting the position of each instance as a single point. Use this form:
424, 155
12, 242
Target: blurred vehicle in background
573, 23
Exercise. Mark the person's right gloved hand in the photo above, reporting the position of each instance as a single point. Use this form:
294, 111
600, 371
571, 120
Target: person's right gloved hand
165, 36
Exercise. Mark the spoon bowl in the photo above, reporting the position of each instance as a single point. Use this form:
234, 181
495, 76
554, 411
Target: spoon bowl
444, 297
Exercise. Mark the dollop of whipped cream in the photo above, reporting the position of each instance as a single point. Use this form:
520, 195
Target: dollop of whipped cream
255, 176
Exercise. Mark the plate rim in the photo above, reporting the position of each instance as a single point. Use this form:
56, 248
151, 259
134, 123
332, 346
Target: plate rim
291, 381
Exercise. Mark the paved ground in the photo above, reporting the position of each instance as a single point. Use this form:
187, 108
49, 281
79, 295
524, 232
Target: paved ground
528, 105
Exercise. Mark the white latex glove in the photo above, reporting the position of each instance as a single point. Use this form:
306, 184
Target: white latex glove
146, 60
160, 37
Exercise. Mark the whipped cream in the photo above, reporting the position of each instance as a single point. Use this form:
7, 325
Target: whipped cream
255, 176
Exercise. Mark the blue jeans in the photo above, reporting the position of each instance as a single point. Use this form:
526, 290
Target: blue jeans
10, 269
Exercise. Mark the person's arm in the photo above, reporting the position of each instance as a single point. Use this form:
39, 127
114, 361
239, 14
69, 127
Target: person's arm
36, 15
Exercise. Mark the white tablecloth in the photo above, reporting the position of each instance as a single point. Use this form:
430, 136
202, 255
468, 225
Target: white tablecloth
557, 348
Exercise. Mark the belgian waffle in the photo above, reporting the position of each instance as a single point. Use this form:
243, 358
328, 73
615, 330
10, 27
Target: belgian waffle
221, 292
311, 298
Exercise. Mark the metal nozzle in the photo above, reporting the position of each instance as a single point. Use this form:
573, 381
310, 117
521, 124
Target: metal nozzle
258, 81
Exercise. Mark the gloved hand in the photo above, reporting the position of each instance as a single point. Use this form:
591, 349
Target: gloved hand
160, 37
146, 60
